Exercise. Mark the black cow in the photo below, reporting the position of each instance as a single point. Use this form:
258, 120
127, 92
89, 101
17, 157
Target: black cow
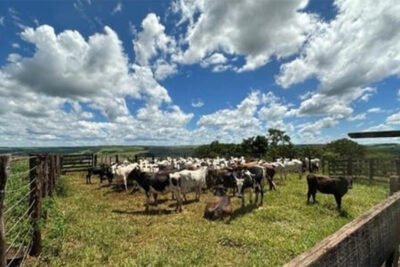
327, 185
102, 171
155, 183
252, 178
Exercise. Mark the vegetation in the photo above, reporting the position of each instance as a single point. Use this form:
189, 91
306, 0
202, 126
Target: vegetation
93, 225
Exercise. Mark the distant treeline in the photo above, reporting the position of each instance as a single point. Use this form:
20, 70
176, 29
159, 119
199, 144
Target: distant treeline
277, 144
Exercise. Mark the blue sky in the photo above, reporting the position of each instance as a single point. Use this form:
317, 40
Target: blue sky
192, 71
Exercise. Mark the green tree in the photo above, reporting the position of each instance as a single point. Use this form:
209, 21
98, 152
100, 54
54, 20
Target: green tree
346, 148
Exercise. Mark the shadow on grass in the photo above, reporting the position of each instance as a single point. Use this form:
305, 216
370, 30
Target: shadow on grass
173, 204
144, 212
242, 211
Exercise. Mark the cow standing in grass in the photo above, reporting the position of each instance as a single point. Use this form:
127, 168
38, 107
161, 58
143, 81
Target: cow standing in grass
156, 183
327, 185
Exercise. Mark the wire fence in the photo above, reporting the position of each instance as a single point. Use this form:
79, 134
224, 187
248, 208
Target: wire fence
24, 183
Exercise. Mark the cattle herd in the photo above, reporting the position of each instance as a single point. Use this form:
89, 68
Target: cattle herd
185, 175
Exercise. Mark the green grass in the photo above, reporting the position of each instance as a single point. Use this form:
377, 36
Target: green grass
91, 225
16, 205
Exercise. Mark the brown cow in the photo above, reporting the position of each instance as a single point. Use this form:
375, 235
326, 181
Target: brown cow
220, 207
327, 185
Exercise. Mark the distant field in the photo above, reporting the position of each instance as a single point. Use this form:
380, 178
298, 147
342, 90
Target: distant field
98, 226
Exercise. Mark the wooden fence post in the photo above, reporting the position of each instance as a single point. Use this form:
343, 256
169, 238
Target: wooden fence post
4, 165
35, 201
350, 167
95, 160
371, 169
45, 181
116, 159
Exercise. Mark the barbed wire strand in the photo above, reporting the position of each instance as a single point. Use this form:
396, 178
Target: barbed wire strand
19, 201
19, 249
26, 253
20, 218
23, 172
22, 187
16, 238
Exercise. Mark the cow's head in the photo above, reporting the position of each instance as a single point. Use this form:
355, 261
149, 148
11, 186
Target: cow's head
243, 181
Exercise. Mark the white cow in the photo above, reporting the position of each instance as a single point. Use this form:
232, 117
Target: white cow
294, 165
191, 181
121, 172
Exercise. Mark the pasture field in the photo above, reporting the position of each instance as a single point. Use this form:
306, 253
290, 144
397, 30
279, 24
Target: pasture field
93, 225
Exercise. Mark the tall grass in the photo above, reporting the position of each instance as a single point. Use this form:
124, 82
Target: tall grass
92, 225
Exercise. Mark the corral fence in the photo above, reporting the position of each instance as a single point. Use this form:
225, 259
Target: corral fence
372, 239
24, 184
76, 162
82, 162
372, 169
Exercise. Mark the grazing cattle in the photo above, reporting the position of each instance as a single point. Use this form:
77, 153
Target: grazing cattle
191, 180
294, 165
219, 207
269, 174
156, 183
102, 171
327, 185
224, 177
121, 172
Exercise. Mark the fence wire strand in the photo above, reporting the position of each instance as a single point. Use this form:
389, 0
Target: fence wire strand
22, 187
19, 201
19, 249
21, 217
23, 172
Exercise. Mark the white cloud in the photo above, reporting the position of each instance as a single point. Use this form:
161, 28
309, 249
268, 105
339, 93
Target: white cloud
313, 129
361, 116
375, 110
93, 73
394, 119
117, 8
152, 42
358, 47
197, 103
15, 45
277, 28
2, 21
398, 94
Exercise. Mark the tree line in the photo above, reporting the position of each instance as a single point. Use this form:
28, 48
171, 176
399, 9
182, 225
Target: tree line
277, 144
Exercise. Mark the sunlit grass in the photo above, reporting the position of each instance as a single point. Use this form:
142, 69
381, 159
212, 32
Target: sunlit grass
97, 226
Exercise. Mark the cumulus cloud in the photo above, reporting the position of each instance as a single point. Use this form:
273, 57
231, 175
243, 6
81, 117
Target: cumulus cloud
152, 42
375, 110
276, 28
1, 21
360, 46
92, 75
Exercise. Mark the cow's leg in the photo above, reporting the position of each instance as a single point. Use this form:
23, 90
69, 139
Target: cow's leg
251, 196
172, 196
147, 200
177, 194
155, 199
126, 183
262, 195
338, 201
314, 193
308, 195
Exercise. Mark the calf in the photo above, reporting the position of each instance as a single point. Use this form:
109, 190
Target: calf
156, 183
219, 207
326, 185
254, 179
122, 172
102, 171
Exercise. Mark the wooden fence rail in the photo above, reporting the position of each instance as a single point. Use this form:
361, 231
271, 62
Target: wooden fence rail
40, 182
371, 169
370, 240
